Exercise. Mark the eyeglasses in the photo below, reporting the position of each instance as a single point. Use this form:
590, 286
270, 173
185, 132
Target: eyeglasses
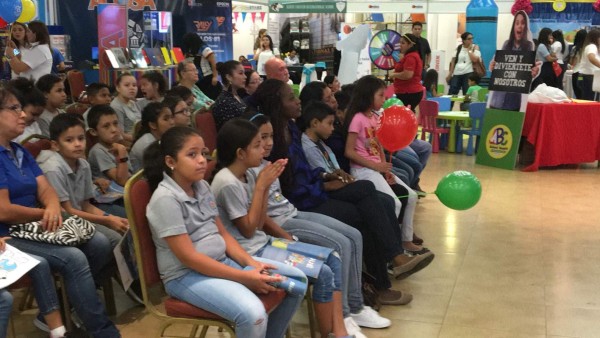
471, 38
17, 108
184, 111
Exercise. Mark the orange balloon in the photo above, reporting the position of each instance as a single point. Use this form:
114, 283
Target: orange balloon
398, 128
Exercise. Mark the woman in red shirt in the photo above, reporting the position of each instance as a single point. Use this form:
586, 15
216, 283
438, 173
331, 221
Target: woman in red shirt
407, 72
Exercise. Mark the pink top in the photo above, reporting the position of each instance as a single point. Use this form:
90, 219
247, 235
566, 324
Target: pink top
367, 144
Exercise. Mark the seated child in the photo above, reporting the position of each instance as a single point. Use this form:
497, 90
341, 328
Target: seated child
97, 94
244, 213
108, 158
181, 112
34, 102
430, 82
125, 106
53, 88
156, 119
472, 94
320, 230
70, 175
198, 260
367, 159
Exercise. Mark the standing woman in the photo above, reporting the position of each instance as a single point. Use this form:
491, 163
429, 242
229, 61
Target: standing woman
558, 48
575, 60
407, 72
264, 53
19, 37
544, 55
590, 61
37, 60
461, 65
229, 104
203, 57
262, 32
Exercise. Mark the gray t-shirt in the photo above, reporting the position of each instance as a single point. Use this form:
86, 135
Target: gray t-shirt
136, 155
278, 208
233, 199
128, 114
45, 119
172, 212
101, 160
73, 186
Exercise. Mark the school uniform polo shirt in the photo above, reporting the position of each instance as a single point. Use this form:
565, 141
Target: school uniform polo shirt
18, 175
233, 200
172, 212
73, 186
102, 160
127, 113
136, 155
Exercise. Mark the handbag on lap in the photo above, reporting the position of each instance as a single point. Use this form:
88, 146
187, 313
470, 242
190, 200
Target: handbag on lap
74, 231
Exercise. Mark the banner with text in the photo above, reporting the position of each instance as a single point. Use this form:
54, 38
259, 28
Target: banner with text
211, 20
500, 137
512, 71
286, 6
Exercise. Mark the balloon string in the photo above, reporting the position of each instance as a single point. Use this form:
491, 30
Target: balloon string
426, 193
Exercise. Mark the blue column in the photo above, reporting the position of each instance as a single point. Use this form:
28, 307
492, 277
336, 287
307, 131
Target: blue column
482, 22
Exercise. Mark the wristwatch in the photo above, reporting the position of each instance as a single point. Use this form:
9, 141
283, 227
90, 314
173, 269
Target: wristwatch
123, 159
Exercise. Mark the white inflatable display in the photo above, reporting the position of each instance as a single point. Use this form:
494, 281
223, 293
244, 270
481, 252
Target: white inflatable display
350, 48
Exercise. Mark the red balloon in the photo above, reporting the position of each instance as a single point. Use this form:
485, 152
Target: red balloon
398, 128
3, 23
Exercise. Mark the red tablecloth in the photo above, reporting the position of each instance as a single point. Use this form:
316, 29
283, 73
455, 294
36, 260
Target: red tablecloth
563, 133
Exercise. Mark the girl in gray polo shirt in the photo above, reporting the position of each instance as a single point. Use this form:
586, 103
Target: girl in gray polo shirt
244, 214
199, 261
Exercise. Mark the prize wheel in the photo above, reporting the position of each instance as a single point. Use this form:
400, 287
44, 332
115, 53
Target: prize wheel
384, 49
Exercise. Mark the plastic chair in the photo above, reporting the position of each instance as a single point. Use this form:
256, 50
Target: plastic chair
445, 103
76, 82
429, 111
476, 113
137, 197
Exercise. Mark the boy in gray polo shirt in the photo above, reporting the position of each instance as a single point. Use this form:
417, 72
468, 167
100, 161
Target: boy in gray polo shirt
108, 158
70, 175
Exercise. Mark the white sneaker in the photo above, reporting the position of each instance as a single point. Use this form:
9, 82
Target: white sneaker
352, 328
367, 317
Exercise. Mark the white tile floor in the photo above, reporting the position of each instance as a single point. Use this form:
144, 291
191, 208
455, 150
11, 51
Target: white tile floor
522, 263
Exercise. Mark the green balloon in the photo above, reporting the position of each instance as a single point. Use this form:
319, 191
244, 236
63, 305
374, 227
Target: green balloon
459, 190
392, 101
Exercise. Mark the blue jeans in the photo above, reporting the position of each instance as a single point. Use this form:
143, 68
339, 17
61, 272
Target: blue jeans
423, 151
328, 232
6, 301
235, 302
329, 280
79, 266
43, 286
459, 82
409, 162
